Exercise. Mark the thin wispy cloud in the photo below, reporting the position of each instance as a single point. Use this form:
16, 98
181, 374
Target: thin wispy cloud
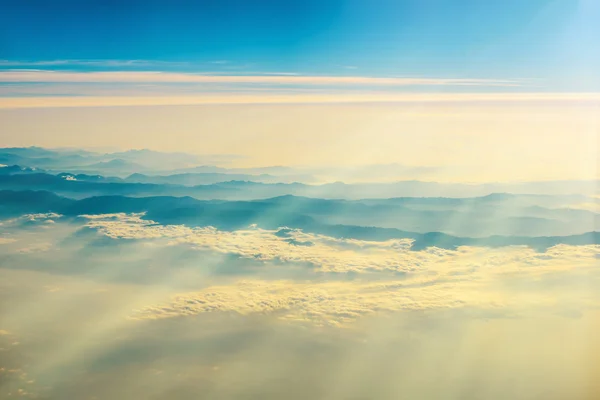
289, 98
172, 77
91, 63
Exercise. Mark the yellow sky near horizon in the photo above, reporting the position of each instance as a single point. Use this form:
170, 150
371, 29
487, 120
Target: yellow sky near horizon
473, 141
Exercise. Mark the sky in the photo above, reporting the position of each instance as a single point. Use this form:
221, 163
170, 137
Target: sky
330, 299
425, 81
548, 40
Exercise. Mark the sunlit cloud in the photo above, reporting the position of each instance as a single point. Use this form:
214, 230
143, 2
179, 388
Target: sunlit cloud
330, 254
32, 219
353, 284
265, 98
352, 279
340, 303
172, 77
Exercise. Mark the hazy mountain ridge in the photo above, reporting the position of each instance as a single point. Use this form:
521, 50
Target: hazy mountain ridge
235, 200
191, 170
248, 190
203, 178
125, 163
332, 217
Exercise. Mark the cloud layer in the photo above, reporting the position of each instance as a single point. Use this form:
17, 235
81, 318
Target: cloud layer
387, 276
329, 254
100, 299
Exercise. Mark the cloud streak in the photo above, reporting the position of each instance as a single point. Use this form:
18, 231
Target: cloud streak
244, 98
90, 63
38, 76
341, 303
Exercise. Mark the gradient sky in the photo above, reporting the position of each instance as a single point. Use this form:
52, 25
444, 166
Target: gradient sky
551, 41
507, 90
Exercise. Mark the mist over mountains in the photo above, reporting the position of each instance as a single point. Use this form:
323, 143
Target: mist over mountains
328, 217
433, 214
151, 167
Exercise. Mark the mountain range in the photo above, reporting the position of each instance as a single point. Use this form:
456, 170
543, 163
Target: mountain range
445, 214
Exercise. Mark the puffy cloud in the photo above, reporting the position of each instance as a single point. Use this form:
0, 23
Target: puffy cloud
388, 275
328, 254
323, 303
338, 303
32, 219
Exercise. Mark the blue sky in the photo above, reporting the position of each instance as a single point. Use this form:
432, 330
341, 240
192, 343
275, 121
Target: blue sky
548, 42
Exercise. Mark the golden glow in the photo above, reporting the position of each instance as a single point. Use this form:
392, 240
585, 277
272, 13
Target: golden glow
474, 137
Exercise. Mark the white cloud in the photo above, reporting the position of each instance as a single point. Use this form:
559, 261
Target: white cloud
328, 254
15, 76
339, 303
33, 219
469, 277
100, 100
94, 63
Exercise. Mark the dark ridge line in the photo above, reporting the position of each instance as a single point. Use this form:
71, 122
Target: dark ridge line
169, 210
